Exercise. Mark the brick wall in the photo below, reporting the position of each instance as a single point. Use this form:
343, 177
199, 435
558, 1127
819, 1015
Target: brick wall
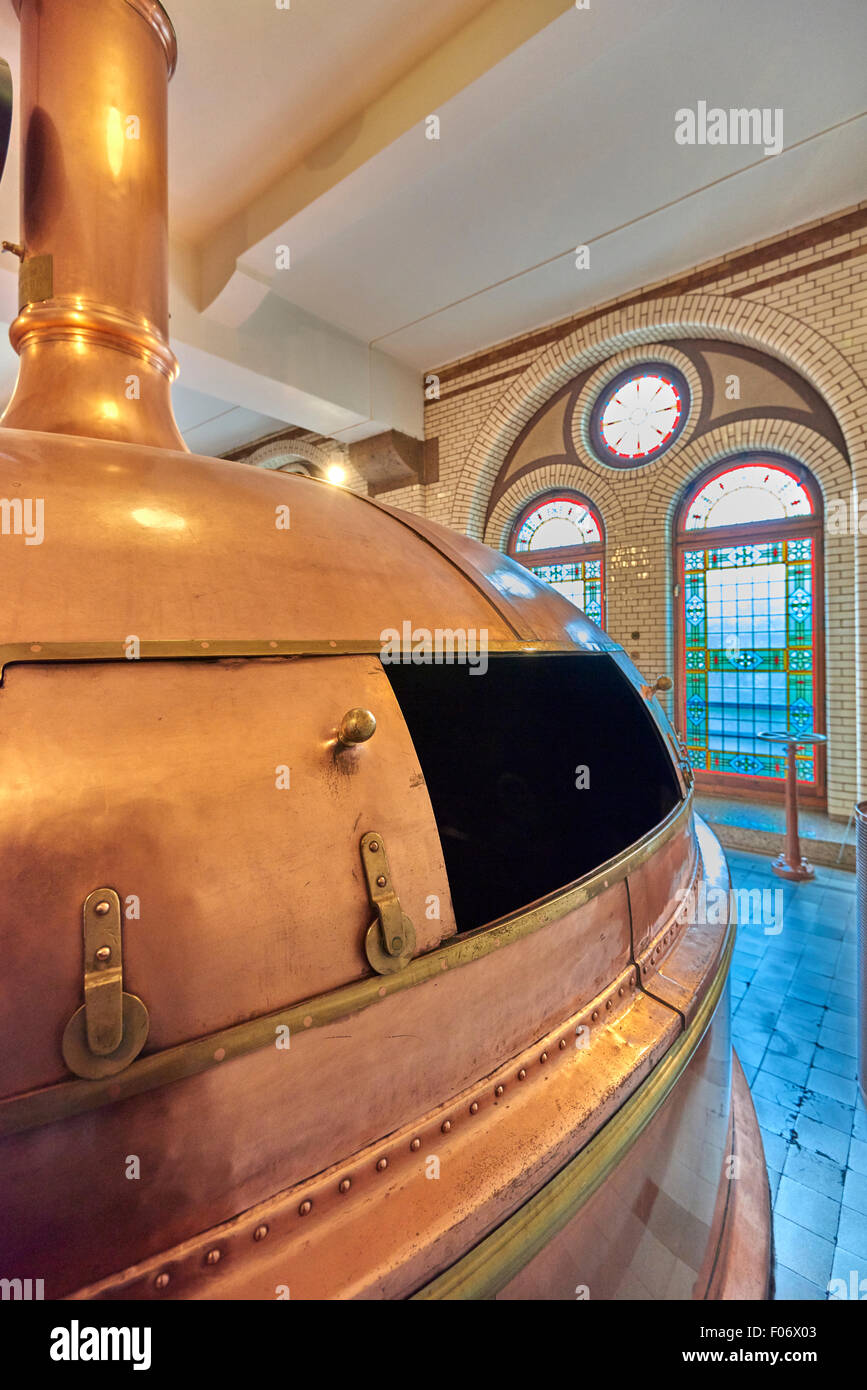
800, 299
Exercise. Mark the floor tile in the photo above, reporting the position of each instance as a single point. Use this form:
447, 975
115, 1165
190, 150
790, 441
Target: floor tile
820, 1139
828, 1111
777, 1151
821, 1174
806, 1208
789, 1285
858, 1156
852, 1231
800, 1250
789, 1068
838, 1062
855, 1191
852, 1269
827, 1083
794, 1023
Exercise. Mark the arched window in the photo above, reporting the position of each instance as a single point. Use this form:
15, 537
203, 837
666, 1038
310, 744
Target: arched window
560, 537
749, 567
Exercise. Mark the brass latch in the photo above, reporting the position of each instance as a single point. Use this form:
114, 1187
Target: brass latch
684, 761
390, 940
111, 1027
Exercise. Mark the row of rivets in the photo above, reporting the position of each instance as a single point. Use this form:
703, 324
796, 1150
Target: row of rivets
213, 1256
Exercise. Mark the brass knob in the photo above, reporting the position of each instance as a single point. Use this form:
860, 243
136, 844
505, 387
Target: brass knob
662, 683
356, 726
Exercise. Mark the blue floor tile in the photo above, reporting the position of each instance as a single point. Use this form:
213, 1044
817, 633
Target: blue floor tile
800, 1250
828, 1083
823, 1175
820, 1139
852, 1231
806, 1208
794, 1024
855, 1191
788, 1285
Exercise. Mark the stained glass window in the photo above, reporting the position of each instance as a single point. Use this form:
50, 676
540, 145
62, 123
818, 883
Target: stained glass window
753, 492
749, 623
639, 414
560, 539
559, 521
581, 584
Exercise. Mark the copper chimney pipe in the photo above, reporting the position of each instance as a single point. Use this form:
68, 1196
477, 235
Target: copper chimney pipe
92, 327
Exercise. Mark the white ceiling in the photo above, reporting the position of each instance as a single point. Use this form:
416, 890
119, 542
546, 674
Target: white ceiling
428, 251
257, 88
211, 426
571, 140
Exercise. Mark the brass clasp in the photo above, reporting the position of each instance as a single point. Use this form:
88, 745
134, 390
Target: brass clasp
109, 1030
390, 940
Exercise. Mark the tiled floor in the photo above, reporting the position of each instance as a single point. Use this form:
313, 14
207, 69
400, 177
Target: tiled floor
794, 1003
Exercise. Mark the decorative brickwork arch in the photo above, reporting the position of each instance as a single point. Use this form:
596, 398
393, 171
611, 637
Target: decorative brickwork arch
544, 479
639, 614
282, 452
756, 325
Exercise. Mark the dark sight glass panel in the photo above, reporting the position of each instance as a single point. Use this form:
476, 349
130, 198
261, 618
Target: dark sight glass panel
499, 752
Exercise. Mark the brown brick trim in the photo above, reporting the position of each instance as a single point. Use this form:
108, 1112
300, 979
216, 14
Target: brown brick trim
474, 385
795, 271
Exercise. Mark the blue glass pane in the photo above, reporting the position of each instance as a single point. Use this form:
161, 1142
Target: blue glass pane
749, 662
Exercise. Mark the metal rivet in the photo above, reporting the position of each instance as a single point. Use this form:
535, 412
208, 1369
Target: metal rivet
474, 1108
381, 881
212, 1257
620, 992
382, 1165
446, 1126
521, 1074
102, 908
345, 1185
594, 1015
260, 1232
104, 953
608, 1003
161, 1281
544, 1057
415, 1145
305, 1208
499, 1090
374, 846
562, 1044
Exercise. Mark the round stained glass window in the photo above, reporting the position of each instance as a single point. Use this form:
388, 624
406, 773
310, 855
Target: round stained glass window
639, 414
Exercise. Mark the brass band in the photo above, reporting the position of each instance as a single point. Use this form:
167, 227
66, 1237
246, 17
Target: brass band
223, 649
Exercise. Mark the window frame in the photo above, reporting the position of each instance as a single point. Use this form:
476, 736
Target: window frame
562, 554
652, 367
751, 533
